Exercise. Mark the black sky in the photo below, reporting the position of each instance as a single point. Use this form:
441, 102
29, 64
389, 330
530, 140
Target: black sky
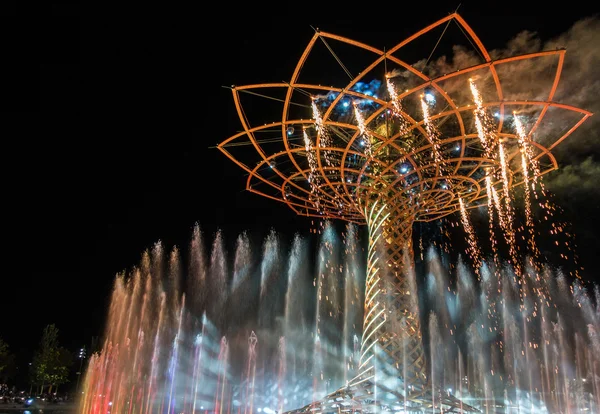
108, 116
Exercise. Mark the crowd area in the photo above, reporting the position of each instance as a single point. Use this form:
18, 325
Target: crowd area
15, 398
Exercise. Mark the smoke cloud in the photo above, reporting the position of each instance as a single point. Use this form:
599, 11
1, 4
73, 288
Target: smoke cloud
577, 178
579, 155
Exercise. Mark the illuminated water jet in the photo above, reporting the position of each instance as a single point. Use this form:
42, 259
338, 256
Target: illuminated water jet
190, 365
438, 154
403, 157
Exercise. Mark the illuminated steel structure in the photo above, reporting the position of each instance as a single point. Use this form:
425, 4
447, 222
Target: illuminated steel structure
412, 148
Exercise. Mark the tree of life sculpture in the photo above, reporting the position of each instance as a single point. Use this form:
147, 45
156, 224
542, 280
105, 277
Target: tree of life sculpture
390, 147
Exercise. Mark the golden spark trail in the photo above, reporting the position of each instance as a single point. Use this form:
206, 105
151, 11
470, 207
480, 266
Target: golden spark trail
312, 162
525, 169
498, 204
482, 120
528, 216
397, 105
366, 136
432, 134
394, 97
505, 182
527, 159
528, 151
507, 229
507, 224
491, 296
490, 203
325, 140
471, 238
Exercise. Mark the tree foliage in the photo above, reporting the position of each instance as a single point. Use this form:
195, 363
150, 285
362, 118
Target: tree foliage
51, 362
3, 354
7, 361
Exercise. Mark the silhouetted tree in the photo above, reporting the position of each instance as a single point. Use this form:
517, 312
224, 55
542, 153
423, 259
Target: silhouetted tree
51, 362
4, 351
7, 362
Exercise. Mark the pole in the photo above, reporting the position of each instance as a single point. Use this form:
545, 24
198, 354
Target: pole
79, 375
81, 358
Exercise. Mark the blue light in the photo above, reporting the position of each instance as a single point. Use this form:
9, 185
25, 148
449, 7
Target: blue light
368, 89
362, 142
429, 98
404, 169
346, 104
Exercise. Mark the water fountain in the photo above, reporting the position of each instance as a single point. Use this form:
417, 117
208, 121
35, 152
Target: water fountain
164, 353
277, 333
167, 348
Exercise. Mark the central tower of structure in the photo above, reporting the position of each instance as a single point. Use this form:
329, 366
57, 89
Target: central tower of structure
393, 144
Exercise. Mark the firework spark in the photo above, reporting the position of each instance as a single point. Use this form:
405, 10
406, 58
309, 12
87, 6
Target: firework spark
474, 251
432, 133
483, 122
313, 177
325, 139
364, 132
490, 204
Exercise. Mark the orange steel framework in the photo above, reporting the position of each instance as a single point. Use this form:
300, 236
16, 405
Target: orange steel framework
387, 161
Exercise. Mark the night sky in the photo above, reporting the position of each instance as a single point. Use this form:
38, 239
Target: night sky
108, 117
